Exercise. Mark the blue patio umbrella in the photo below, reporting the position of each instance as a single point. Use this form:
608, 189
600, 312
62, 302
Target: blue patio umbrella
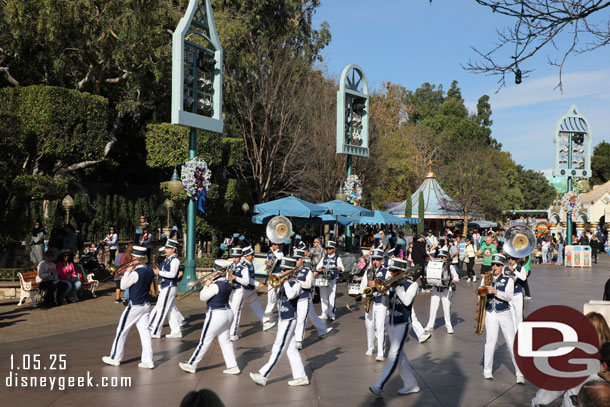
326, 219
290, 206
384, 218
338, 207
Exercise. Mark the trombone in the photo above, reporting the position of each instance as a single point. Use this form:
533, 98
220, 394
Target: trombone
275, 282
220, 270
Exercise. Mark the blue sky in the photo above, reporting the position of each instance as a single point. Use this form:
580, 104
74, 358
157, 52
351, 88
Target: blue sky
412, 41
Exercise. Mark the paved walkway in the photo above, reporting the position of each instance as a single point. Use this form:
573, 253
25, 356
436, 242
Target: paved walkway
448, 367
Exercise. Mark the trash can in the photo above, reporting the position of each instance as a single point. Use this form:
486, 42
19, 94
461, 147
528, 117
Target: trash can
569, 255
586, 256
577, 256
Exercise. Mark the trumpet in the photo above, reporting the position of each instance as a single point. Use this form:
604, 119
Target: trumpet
275, 282
114, 269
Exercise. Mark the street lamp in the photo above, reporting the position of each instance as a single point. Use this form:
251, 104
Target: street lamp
67, 203
169, 204
245, 208
175, 185
340, 195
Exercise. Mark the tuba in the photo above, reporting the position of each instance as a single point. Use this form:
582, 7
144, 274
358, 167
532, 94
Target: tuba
519, 241
279, 229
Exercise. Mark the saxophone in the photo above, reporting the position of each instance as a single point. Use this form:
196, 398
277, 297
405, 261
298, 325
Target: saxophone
482, 303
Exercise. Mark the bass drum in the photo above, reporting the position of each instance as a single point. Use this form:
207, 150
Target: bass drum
437, 273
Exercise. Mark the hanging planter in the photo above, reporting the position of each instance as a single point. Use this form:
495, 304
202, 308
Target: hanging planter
196, 180
353, 189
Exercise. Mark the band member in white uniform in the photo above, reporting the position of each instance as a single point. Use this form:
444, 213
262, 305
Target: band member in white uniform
332, 264
285, 341
374, 320
274, 253
250, 294
138, 280
239, 279
167, 275
400, 302
442, 294
217, 323
515, 271
498, 316
305, 277
177, 314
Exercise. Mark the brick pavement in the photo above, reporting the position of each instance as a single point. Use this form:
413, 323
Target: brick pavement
448, 367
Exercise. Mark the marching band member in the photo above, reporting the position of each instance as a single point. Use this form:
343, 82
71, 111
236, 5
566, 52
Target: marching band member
285, 340
167, 275
274, 253
217, 323
333, 264
442, 294
305, 277
401, 301
239, 279
153, 288
138, 280
515, 271
311, 313
250, 293
498, 316
374, 320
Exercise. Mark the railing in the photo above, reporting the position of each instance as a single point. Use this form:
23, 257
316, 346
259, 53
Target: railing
10, 274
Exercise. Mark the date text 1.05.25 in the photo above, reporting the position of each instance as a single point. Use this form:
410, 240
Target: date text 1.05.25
36, 361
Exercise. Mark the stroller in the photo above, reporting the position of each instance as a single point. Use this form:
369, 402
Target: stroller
88, 261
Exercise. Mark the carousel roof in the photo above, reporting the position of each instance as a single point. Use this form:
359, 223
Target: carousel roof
437, 204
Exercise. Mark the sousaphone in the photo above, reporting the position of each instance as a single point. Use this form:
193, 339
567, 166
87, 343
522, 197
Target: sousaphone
519, 241
279, 229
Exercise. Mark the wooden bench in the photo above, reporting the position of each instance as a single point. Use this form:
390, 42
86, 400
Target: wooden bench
29, 287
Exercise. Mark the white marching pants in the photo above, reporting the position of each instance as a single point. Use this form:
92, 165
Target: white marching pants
305, 309
516, 309
397, 358
418, 329
327, 299
494, 321
271, 300
166, 302
374, 321
236, 301
133, 314
285, 341
255, 304
177, 314
435, 298
217, 324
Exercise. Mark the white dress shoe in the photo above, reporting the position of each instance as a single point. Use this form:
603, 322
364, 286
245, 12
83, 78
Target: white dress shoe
299, 345
428, 329
146, 365
232, 370
157, 336
376, 391
488, 376
301, 381
258, 379
234, 338
268, 325
109, 361
187, 367
424, 337
520, 379
369, 352
404, 390
450, 331
174, 335
379, 358
323, 317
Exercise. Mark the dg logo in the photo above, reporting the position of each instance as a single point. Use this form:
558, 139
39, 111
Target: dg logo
556, 348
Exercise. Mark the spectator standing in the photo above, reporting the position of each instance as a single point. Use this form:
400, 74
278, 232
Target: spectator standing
69, 243
67, 273
112, 240
461, 245
140, 230
125, 258
453, 253
146, 241
596, 247
469, 257
487, 249
317, 252
559, 248
584, 239
546, 245
476, 239
37, 243
419, 254
432, 243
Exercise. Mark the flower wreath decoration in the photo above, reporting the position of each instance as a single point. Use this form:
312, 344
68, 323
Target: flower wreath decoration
571, 203
196, 180
353, 189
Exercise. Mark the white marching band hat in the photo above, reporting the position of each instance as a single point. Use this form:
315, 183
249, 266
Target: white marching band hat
247, 251
397, 264
498, 259
377, 254
298, 253
236, 252
138, 251
172, 244
288, 263
443, 253
331, 244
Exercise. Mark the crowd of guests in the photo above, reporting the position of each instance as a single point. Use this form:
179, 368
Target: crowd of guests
550, 247
59, 281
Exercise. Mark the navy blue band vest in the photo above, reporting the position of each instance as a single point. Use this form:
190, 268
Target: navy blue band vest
238, 272
251, 272
271, 256
330, 264
288, 308
302, 276
166, 267
399, 312
138, 293
493, 302
220, 300
381, 273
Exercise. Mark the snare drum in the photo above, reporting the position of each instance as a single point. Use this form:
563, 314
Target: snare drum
437, 274
353, 289
322, 282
